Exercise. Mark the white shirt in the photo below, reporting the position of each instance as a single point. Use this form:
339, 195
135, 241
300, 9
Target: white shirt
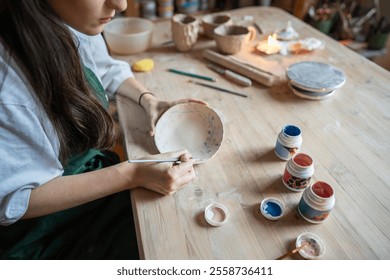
29, 146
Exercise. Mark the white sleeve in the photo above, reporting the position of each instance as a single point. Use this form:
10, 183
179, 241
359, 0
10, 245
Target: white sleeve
28, 147
94, 54
27, 160
112, 72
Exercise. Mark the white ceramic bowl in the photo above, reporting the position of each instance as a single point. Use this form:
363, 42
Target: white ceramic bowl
128, 35
191, 126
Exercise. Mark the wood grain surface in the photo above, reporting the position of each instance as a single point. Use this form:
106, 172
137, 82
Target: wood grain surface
347, 135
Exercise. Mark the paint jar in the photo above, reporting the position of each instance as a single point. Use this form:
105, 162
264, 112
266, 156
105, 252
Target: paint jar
298, 172
289, 142
316, 203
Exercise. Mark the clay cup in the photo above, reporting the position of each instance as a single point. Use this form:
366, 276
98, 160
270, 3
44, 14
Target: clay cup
185, 30
212, 21
230, 39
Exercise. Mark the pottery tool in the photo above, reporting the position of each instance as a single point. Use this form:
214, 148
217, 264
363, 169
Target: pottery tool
176, 160
231, 75
311, 242
253, 73
192, 75
218, 88
257, 26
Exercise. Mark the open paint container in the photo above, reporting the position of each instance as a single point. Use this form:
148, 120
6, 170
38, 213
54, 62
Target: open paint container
315, 247
216, 214
272, 208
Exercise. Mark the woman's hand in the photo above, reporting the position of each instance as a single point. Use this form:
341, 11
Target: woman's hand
155, 108
166, 177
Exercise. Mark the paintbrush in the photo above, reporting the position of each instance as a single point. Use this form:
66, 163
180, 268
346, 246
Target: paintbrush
304, 244
218, 88
175, 160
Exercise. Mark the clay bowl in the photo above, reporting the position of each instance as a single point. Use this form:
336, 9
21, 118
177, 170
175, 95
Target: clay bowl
191, 126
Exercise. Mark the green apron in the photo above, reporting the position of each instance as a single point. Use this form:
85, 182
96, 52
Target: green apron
101, 229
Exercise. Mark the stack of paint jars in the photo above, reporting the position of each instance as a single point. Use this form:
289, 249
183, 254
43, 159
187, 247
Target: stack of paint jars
187, 6
318, 198
165, 8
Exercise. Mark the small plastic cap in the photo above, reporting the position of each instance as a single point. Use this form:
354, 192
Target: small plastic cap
315, 247
216, 214
272, 208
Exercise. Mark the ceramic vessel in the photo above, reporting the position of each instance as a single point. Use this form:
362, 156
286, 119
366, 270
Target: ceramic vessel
191, 126
230, 39
212, 21
185, 29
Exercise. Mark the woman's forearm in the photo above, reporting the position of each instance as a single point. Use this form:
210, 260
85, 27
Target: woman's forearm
69, 191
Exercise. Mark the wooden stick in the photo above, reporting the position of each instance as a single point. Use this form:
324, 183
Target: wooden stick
234, 65
291, 252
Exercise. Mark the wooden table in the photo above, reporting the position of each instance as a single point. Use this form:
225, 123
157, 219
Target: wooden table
347, 135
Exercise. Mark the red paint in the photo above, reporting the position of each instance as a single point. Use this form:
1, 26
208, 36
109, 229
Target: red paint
322, 189
303, 160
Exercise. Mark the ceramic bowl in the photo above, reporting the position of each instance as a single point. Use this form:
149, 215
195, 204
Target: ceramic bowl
128, 35
191, 126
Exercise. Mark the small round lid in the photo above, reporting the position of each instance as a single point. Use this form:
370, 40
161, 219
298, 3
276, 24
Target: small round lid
272, 208
315, 247
216, 214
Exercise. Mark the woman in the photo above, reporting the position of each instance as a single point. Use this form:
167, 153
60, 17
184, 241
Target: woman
62, 195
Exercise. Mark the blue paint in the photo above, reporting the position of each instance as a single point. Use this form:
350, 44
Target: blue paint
273, 209
292, 130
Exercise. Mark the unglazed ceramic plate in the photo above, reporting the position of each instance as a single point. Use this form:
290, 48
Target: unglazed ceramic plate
191, 126
310, 95
315, 76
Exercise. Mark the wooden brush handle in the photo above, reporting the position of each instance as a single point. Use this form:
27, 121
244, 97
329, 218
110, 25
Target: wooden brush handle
291, 252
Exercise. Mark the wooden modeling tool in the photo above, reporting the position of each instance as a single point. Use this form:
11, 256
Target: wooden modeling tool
253, 73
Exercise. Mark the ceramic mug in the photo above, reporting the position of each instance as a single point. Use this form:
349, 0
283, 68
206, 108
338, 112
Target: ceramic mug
212, 21
185, 30
230, 39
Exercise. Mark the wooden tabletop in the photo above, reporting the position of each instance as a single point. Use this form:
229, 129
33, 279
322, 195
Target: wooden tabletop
347, 135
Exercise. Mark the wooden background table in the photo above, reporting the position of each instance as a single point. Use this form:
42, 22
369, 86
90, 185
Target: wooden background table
347, 135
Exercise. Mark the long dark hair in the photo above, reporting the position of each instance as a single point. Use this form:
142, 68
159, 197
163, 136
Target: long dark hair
45, 50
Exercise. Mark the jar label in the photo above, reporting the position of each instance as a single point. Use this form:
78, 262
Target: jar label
294, 182
310, 213
284, 152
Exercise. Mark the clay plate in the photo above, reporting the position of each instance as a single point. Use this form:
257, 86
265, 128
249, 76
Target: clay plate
191, 126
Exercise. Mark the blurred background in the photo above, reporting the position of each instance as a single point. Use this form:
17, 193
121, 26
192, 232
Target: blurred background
361, 25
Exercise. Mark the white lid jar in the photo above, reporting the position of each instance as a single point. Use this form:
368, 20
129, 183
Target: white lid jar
316, 203
298, 172
289, 142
